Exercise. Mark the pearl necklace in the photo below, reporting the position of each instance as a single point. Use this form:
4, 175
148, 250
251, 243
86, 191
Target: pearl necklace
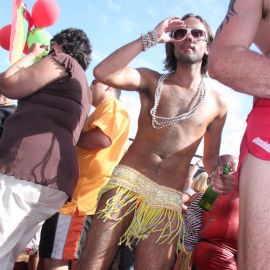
159, 122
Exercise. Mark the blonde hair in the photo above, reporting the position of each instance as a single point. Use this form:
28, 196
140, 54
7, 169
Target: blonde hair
200, 182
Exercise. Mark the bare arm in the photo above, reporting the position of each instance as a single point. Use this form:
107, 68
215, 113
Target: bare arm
23, 79
114, 69
230, 60
212, 138
94, 139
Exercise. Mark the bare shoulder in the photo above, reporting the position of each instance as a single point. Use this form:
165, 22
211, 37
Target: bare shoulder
148, 73
151, 78
217, 94
219, 99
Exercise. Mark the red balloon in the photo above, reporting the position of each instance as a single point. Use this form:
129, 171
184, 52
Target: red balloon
5, 33
45, 13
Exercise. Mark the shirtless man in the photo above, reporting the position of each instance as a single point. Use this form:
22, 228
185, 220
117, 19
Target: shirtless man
234, 64
142, 202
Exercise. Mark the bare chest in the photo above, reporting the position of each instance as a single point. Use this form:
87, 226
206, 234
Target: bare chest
181, 107
173, 138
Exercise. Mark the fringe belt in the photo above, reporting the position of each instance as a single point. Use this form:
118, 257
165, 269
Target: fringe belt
156, 208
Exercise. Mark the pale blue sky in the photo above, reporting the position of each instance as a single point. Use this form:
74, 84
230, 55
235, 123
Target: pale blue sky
112, 23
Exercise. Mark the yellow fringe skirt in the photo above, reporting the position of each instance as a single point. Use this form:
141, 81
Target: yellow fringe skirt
156, 208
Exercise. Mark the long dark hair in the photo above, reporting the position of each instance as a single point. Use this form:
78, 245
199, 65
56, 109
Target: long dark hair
170, 63
75, 43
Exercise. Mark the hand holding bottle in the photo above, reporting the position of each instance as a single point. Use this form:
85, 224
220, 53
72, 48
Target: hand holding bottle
210, 195
223, 183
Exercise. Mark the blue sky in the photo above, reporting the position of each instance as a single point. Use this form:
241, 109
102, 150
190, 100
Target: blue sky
112, 23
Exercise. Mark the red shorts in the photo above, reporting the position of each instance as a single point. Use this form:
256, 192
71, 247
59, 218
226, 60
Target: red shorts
256, 139
214, 256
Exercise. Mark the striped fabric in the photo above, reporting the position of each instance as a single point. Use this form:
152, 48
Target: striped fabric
193, 224
67, 236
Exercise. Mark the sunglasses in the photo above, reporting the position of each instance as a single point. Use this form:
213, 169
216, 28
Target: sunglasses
196, 33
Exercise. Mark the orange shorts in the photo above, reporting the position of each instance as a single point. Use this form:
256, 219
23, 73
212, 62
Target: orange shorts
63, 236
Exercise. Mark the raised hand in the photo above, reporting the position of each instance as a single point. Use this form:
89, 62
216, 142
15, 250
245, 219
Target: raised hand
166, 26
37, 49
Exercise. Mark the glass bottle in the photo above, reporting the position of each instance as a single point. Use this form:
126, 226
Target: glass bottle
209, 196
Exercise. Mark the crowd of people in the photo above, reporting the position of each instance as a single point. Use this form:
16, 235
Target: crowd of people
95, 202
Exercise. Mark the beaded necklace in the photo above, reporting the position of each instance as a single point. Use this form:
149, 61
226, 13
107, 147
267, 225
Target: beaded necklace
159, 122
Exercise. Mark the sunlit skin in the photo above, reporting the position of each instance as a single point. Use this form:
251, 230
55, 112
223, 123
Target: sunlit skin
233, 63
163, 155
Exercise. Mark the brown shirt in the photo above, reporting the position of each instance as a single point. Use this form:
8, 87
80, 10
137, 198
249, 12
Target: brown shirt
38, 142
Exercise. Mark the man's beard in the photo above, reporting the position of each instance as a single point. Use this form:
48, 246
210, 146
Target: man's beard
188, 58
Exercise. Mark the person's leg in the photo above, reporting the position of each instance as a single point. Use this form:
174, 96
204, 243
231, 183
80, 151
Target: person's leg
74, 265
62, 240
53, 264
30, 230
102, 240
254, 229
31, 204
52, 242
31, 251
33, 261
183, 260
49, 202
17, 200
150, 254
